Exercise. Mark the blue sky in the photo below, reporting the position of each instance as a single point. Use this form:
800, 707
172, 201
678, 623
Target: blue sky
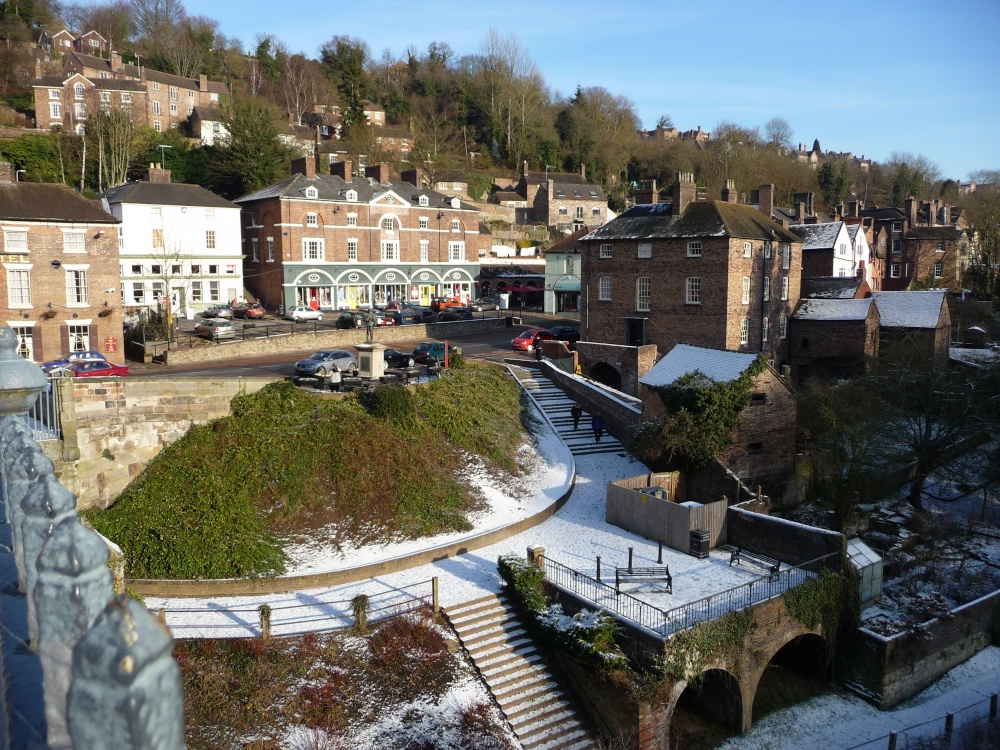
872, 77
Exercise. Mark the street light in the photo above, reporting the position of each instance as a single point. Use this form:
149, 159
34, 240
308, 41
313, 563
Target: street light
163, 155
19, 172
553, 166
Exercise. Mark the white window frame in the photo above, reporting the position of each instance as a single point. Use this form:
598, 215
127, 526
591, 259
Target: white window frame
390, 250
895, 270
79, 337
25, 342
255, 249
76, 286
425, 248
312, 249
744, 332
352, 220
568, 264
18, 286
456, 225
55, 110
54, 94
157, 126
763, 330
783, 327
606, 251
643, 293
270, 249
210, 239
456, 252
214, 294
786, 256
747, 249
694, 249
745, 299
784, 288
938, 270
767, 250
79, 91
422, 200
424, 222
15, 241
692, 290
644, 250
106, 96
388, 224
767, 289
352, 248
126, 97
156, 108
196, 291
312, 219
604, 289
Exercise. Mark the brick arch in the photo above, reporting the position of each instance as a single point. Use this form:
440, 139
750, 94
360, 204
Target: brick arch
752, 677
319, 217
720, 697
604, 373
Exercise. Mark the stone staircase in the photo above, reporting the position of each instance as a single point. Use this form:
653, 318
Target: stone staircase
526, 691
556, 405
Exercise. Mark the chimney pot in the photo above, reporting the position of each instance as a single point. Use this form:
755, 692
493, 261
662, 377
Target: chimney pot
765, 199
304, 165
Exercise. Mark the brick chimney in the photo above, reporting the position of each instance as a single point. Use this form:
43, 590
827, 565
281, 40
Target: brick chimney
6, 172
946, 214
765, 199
304, 165
729, 194
116, 61
685, 192
583, 171
647, 192
342, 169
928, 207
911, 211
379, 172
840, 211
854, 209
525, 170
203, 83
415, 177
800, 211
156, 173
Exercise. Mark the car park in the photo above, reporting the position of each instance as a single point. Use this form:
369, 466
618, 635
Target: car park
92, 369
432, 352
252, 312
441, 303
351, 319
569, 334
215, 328
87, 356
485, 303
303, 312
395, 358
222, 311
384, 319
528, 340
325, 361
423, 314
456, 313
402, 317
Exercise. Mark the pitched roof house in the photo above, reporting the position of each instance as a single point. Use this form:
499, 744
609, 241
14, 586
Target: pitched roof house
915, 324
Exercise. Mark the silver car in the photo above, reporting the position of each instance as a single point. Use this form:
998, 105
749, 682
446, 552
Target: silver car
324, 361
215, 329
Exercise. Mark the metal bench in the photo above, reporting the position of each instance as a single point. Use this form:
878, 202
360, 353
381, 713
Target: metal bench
656, 573
739, 554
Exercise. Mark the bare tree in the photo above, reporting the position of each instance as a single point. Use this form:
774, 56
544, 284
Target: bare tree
114, 131
149, 16
778, 133
301, 84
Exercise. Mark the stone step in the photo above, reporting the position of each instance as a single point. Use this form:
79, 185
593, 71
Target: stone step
492, 664
529, 714
514, 695
500, 648
574, 740
547, 733
495, 634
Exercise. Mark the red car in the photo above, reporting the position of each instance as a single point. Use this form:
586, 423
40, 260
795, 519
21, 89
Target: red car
92, 370
528, 340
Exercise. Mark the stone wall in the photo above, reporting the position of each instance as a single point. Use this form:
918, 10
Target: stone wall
631, 362
326, 338
887, 671
113, 427
620, 416
787, 541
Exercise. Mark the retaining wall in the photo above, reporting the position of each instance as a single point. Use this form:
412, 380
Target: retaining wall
790, 542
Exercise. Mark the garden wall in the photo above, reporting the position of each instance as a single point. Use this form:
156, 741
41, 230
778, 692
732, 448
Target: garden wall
790, 542
888, 670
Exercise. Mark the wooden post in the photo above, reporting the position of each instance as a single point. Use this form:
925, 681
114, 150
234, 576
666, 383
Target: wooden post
892, 741
629, 559
949, 727
435, 601
162, 615
599, 572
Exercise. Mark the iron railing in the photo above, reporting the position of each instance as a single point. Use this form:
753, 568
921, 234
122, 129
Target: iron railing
668, 622
44, 418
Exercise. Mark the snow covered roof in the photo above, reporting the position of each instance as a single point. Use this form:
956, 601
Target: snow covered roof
818, 236
833, 309
910, 309
852, 231
830, 287
717, 364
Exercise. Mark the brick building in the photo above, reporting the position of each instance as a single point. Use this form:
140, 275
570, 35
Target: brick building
563, 200
343, 241
762, 448
60, 280
915, 325
62, 101
833, 338
710, 273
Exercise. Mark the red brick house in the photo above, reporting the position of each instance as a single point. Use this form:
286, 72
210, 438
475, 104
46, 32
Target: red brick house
915, 325
709, 273
833, 338
60, 286
564, 200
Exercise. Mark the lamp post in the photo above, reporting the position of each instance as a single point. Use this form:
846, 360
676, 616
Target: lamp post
163, 155
19, 172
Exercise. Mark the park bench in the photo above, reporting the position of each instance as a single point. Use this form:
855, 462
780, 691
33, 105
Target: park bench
739, 554
655, 573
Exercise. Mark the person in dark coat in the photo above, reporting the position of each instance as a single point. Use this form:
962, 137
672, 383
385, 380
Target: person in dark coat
597, 425
577, 411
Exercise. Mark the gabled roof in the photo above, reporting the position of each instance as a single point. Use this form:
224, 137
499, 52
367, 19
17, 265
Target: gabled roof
38, 201
852, 232
717, 364
568, 178
700, 219
833, 309
92, 61
454, 175
166, 194
206, 114
568, 244
830, 287
818, 236
508, 195
910, 309
576, 191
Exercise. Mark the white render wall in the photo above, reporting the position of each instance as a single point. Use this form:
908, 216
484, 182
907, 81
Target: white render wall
184, 244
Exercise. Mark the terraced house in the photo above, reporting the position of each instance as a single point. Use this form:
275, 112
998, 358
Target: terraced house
709, 273
342, 241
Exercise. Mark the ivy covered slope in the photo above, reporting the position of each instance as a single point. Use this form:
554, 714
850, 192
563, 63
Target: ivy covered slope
215, 503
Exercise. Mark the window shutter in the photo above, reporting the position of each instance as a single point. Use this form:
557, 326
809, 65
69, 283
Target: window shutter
36, 343
63, 340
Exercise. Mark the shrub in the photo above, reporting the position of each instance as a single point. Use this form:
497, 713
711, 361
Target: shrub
393, 403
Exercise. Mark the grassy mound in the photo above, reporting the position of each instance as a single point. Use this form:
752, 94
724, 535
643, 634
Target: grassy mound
214, 504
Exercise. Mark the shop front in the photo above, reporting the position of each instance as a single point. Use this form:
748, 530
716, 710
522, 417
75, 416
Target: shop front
354, 288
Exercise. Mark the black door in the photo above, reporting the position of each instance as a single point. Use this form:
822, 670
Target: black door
636, 333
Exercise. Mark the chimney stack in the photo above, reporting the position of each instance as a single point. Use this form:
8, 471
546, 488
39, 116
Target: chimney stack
647, 192
203, 83
116, 61
379, 172
840, 211
946, 214
341, 169
525, 172
800, 211
765, 200
415, 177
157, 174
911, 211
729, 194
583, 171
854, 209
685, 192
6, 172
304, 165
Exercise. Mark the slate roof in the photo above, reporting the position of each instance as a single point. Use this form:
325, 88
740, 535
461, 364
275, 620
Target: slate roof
830, 287
508, 195
166, 194
206, 114
566, 178
818, 236
910, 309
852, 232
92, 62
333, 188
454, 175
700, 219
568, 244
717, 364
934, 233
577, 191
38, 201
889, 213
833, 309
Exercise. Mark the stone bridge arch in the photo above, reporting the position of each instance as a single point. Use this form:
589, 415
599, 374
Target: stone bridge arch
604, 373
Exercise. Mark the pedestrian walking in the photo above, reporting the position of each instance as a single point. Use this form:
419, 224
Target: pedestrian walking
597, 425
577, 411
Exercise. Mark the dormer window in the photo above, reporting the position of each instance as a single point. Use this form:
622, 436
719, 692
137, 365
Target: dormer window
456, 203
351, 195
311, 192
422, 200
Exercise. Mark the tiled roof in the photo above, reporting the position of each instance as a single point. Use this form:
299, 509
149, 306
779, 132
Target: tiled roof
934, 233
818, 236
206, 114
37, 201
568, 244
833, 309
166, 194
92, 62
508, 195
830, 287
576, 191
910, 309
569, 178
453, 175
700, 219
717, 364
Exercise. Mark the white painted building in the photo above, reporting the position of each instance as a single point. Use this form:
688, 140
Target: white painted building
827, 250
862, 251
181, 240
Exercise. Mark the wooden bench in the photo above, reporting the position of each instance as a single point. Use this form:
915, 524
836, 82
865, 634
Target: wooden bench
739, 554
656, 573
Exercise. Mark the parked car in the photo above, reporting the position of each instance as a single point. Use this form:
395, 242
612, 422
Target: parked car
569, 334
456, 313
384, 319
92, 369
440, 303
432, 352
351, 319
395, 358
303, 312
222, 311
423, 314
528, 340
88, 356
253, 312
324, 361
215, 328
402, 317
485, 303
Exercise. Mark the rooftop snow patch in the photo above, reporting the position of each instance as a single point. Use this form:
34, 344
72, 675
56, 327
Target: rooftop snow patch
833, 309
910, 309
718, 364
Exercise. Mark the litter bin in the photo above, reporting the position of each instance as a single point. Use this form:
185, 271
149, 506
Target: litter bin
279, 310
513, 320
700, 540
